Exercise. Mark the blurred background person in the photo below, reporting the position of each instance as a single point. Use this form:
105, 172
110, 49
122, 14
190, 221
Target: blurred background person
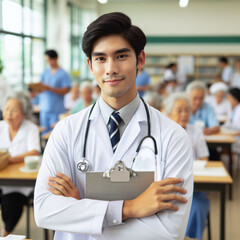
55, 84
202, 113
86, 91
142, 82
233, 121
218, 100
5, 89
226, 70
178, 108
96, 90
72, 97
170, 78
153, 99
21, 137
236, 75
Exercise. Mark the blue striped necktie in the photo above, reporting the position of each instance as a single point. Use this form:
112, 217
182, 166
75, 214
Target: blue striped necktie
114, 134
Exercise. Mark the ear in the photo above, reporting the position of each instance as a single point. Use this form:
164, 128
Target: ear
89, 65
141, 60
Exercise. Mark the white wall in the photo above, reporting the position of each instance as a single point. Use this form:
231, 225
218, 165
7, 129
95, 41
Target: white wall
166, 18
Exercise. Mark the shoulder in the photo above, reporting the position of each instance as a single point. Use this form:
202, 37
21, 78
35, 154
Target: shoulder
207, 107
3, 124
29, 125
168, 128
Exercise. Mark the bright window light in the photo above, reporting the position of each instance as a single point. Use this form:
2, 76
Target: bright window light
183, 3
103, 1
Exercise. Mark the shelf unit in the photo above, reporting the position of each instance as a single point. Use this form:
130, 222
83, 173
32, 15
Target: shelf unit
204, 67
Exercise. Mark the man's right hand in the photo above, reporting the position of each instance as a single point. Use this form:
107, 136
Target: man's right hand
154, 199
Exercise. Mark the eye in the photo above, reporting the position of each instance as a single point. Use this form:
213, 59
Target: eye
99, 59
122, 56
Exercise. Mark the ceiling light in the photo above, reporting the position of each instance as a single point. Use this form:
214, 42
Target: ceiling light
103, 1
183, 3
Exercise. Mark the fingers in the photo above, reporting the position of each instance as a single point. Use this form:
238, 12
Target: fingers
173, 197
168, 181
66, 179
59, 187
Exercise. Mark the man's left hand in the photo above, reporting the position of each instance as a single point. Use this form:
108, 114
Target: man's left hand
63, 186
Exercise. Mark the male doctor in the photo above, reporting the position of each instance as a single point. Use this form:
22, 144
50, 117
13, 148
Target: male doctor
114, 49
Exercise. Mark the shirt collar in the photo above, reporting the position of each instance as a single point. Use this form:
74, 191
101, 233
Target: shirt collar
126, 112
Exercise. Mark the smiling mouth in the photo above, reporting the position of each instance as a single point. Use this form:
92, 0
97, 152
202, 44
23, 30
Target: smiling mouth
113, 81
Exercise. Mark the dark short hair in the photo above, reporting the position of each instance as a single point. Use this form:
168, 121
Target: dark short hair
235, 92
223, 59
51, 54
115, 23
170, 65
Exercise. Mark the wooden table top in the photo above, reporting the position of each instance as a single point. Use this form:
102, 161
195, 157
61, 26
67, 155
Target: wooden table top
208, 179
220, 138
12, 172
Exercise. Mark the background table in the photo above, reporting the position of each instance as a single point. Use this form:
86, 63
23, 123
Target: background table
213, 183
225, 141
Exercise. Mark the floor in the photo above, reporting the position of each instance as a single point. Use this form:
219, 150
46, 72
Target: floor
232, 216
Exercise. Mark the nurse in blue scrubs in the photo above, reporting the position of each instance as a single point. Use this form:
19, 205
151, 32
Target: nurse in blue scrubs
55, 84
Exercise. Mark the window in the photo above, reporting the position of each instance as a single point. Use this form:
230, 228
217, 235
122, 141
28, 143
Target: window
80, 19
22, 40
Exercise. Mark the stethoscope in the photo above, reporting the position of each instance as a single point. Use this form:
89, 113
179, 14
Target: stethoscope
85, 166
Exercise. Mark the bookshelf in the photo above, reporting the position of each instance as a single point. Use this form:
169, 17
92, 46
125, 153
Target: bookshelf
203, 67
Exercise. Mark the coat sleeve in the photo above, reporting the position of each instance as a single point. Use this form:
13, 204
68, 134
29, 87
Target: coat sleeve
165, 225
67, 214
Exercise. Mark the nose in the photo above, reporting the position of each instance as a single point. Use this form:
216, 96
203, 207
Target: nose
111, 67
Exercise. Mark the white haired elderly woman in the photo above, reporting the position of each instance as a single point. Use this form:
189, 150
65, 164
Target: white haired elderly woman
21, 137
86, 91
178, 108
218, 100
203, 113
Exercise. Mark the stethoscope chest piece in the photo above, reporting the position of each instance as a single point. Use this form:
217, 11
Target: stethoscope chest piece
83, 165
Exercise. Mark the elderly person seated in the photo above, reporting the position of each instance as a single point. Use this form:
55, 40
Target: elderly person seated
233, 121
218, 100
21, 137
71, 97
86, 91
153, 99
178, 108
203, 113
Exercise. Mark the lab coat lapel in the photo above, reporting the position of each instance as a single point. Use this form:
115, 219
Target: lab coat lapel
99, 126
131, 133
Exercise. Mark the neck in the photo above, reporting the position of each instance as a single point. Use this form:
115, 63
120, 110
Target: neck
118, 102
13, 130
88, 103
54, 68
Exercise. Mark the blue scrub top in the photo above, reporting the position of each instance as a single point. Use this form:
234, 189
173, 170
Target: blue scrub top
142, 80
207, 114
49, 101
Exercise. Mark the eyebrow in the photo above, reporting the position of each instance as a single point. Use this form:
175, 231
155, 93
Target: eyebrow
122, 50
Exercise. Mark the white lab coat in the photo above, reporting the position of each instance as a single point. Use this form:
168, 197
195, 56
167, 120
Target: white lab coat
87, 219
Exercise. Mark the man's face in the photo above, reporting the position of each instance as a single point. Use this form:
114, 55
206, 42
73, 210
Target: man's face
196, 98
52, 62
114, 66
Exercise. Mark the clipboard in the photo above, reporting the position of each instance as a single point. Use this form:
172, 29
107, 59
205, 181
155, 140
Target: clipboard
118, 183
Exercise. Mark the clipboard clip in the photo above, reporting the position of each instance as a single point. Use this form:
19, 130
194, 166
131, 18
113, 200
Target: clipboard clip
119, 173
